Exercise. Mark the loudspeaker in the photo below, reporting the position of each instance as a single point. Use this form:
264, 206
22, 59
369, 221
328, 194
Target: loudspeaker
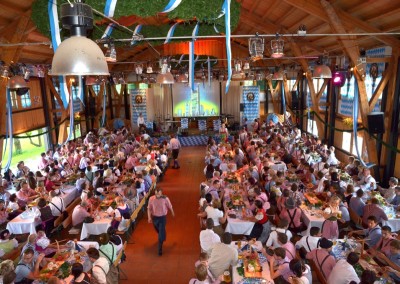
376, 123
241, 107
295, 101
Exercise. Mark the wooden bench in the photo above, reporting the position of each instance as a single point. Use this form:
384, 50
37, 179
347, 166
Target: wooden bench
117, 263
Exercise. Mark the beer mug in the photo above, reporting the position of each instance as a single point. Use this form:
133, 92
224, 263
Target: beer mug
227, 276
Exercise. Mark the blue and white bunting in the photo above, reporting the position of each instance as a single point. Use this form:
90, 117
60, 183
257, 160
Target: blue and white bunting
109, 11
170, 33
171, 6
135, 32
191, 57
56, 41
227, 9
216, 30
209, 70
103, 117
71, 119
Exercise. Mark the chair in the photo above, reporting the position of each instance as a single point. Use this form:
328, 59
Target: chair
355, 219
126, 235
117, 263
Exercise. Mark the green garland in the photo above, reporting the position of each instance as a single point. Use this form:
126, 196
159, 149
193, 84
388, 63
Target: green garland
204, 11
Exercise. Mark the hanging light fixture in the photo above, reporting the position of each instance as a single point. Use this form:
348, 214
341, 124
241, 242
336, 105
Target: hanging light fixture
149, 68
238, 74
18, 84
322, 71
277, 45
256, 47
165, 76
78, 55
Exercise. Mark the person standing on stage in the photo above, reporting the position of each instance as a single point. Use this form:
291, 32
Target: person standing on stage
175, 146
140, 122
157, 211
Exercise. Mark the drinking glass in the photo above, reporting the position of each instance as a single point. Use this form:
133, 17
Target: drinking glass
227, 276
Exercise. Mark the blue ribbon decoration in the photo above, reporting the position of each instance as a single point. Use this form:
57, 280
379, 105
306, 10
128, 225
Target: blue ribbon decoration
227, 9
136, 31
283, 103
170, 33
355, 119
171, 6
209, 70
56, 40
9, 128
103, 117
109, 11
71, 118
191, 57
216, 30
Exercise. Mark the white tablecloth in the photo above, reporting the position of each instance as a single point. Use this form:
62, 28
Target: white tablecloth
278, 166
97, 227
393, 223
311, 221
19, 225
69, 193
239, 227
86, 245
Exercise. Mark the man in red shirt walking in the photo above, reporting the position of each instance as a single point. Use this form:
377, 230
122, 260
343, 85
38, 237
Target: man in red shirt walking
157, 211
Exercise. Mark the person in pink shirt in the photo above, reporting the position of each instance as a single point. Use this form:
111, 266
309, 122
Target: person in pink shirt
383, 244
279, 265
77, 158
157, 211
131, 161
373, 209
322, 258
43, 162
285, 243
330, 229
293, 215
24, 193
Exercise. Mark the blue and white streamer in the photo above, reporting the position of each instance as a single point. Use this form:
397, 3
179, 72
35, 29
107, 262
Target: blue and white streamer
170, 33
171, 6
216, 30
135, 32
227, 9
56, 41
355, 119
103, 117
191, 57
71, 119
209, 70
283, 103
10, 129
109, 11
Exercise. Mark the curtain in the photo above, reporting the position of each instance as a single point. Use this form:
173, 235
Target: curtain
231, 101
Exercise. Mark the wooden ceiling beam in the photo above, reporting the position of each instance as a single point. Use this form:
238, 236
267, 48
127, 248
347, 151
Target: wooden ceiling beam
314, 8
11, 8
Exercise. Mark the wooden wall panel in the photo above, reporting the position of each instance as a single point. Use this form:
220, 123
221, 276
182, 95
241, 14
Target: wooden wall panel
28, 120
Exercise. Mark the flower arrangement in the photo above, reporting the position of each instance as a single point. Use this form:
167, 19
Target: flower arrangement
379, 197
344, 176
231, 179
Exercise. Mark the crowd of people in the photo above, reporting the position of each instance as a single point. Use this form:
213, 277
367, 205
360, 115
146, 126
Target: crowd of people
118, 163
274, 167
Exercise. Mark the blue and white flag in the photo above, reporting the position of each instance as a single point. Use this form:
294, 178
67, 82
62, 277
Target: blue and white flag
171, 6
227, 9
135, 32
170, 33
191, 57
109, 11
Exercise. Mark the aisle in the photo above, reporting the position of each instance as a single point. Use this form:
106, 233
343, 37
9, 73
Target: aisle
181, 250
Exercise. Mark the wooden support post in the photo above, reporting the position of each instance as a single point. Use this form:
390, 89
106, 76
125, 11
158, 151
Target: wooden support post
274, 94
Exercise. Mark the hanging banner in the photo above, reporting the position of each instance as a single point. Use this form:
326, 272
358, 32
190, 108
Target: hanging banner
171, 6
227, 9
135, 32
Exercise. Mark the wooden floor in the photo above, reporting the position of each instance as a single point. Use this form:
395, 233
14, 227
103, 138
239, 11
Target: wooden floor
181, 249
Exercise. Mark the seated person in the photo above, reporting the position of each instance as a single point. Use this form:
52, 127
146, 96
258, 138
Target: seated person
201, 275
107, 249
308, 243
301, 271
279, 265
282, 226
79, 214
357, 204
373, 209
344, 272
7, 245
28, 267
3, 213
383, 244
46, 215
393, 260
222, 256
322, 258
287, 245
294, 215
203, 260
372, 234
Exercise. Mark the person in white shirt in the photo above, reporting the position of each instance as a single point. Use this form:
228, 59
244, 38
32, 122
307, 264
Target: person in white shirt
56, 204
175, 146
223, 255
82, 179
101, 266
367, 181
322, 178
208, 237
282, 227
343, 272
310, 242
84, 162
332, 160
140, 121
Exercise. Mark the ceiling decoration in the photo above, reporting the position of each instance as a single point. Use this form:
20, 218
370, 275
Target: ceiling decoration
188, 13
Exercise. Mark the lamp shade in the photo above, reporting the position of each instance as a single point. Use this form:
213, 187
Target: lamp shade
322, 72
17, 82
166, 78
182, 78
79, 55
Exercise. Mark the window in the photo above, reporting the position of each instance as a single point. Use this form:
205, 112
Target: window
348, 144
26, 100
14, 100
312, 127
